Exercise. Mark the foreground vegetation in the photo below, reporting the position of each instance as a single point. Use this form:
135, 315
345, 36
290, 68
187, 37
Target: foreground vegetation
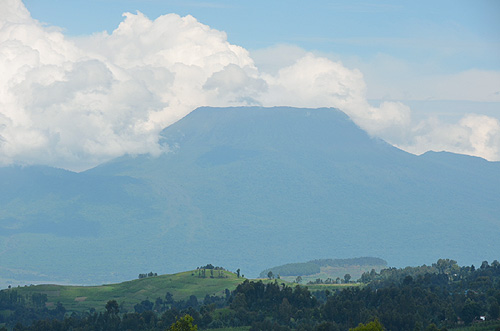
438, 297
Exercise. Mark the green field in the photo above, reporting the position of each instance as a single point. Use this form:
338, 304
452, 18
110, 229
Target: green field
181, 285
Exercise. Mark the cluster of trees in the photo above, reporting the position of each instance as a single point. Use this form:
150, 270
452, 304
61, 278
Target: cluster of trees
346, 280
151, 274
219, 271
429, 298
147, 315
293, 269
326, 281
270, 275
112, 319
24, 309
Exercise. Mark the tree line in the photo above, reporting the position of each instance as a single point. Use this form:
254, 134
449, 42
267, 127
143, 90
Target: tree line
437, 297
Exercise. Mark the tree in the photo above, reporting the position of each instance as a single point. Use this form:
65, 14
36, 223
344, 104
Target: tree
285, 311
431, 327
185, 323
112, 307
270, 275
298, 280
192, 302
494, 310
372, 326
446, 266
470, 311
238, 273
169, 298
347, 278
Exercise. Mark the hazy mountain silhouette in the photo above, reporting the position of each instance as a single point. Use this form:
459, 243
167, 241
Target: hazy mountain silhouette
249, 188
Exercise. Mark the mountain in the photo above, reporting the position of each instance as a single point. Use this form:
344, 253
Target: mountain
247, 188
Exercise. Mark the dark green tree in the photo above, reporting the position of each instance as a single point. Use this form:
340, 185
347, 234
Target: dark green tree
470, 311
494, 310
112, 307
372, 326
185, 323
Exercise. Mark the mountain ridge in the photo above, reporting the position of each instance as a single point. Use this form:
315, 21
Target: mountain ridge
249, 186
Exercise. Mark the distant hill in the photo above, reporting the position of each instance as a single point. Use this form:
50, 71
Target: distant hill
127, 294
327, 268
248, 188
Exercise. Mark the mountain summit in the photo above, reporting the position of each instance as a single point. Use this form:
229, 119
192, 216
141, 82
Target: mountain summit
248, 188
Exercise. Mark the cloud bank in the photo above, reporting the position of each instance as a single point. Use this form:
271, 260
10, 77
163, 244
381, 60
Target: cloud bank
75, 103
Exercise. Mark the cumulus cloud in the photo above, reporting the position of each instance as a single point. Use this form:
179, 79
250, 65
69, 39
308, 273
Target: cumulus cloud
314, 81
474, 134
74, 103
234, 85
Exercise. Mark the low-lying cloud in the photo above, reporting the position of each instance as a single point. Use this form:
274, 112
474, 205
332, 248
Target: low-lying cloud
77, 102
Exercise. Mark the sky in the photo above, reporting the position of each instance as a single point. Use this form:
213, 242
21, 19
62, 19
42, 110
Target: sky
87, 81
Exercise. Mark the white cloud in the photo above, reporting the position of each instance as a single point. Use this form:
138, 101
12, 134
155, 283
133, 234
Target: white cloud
75, 103
474, 134
314, 81
232, 85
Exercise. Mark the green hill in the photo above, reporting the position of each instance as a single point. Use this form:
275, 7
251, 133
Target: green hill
181, 286
327, 268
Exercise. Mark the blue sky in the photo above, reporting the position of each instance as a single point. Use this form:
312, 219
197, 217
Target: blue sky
422, 75
454, 35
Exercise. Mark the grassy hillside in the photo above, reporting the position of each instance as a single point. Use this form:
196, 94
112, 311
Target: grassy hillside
180, 285
127, 294
327, 268
334, 272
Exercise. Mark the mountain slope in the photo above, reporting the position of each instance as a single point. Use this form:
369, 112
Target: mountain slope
250, 188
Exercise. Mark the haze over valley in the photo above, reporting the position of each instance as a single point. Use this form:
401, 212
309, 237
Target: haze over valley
251, 188
181, 134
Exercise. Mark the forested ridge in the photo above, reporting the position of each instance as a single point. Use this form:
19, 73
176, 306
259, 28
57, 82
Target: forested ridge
313, 267
437, 297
